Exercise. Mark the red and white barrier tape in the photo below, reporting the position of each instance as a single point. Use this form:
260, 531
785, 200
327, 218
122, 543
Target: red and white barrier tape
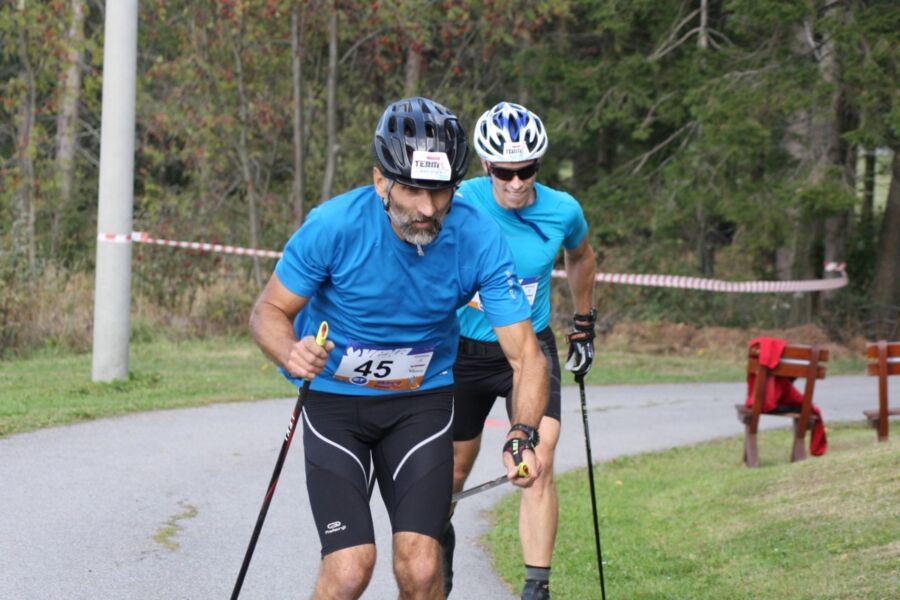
717, 285
651, 280
143, 238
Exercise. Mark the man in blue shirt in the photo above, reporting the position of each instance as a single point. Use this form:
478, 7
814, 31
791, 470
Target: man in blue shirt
537, 221
386, 266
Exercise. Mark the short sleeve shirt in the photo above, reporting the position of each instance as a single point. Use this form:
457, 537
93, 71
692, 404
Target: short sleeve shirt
535, 234
391, 311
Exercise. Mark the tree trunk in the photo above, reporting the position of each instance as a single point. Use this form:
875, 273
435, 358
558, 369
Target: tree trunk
814, 139
244, 154
22, 227
413, 69
704, 244
867, 217
703, 32
840, 153
886, 285
331, 105
297, 49
67, 120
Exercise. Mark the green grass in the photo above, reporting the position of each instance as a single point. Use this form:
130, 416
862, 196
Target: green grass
688, 523
614, 368
56, 389
693, 523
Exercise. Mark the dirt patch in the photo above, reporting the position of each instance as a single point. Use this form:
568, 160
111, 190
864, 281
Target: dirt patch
679, 338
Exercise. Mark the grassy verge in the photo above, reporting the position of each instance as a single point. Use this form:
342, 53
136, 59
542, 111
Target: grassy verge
53, 389
693, 523
613, 368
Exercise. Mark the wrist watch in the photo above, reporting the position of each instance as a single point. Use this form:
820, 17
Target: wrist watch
531, 432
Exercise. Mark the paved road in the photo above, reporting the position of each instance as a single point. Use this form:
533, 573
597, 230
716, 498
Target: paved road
161, 505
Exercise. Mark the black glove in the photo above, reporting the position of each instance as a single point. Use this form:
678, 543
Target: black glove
581, 344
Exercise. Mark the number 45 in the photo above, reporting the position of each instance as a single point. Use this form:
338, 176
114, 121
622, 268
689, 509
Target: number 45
380, 372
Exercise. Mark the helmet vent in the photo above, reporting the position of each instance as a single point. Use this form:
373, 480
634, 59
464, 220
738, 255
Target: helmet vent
409, 128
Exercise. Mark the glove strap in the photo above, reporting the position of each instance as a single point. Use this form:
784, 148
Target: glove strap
516, 447
591, 316
585, 322
531, 432
584, 326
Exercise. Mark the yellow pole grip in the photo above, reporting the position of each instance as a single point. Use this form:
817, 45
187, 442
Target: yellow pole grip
322, 336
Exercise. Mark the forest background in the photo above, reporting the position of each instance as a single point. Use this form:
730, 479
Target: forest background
735, 139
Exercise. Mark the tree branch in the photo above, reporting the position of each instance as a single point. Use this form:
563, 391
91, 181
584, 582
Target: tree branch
642, 160
659, 53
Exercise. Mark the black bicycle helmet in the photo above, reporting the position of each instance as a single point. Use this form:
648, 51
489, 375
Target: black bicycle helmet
420, 124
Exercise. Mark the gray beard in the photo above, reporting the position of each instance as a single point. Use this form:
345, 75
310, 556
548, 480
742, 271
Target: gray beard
415, 236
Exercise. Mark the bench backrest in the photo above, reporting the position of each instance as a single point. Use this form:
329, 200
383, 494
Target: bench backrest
891, 354
794, 361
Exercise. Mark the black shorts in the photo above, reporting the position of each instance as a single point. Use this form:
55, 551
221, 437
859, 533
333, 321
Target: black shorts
482, 373
401, 440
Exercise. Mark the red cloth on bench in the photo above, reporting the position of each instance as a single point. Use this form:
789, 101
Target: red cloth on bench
780, 391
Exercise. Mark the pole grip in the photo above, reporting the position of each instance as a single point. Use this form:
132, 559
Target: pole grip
322, 335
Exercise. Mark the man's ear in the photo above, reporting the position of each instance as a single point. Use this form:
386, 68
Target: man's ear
380, 182
484, 165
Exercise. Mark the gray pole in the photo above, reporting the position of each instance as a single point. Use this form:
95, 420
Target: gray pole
112, 287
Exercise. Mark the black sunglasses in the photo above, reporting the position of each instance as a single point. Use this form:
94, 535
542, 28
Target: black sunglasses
508, 174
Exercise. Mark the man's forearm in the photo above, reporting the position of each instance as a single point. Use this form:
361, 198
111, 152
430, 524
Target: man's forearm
581, 273
531, 387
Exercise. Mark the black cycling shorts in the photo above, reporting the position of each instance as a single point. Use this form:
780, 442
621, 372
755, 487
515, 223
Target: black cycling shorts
482, 373
401, 440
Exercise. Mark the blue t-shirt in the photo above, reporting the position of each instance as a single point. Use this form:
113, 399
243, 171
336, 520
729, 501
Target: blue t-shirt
391, 312
535, 234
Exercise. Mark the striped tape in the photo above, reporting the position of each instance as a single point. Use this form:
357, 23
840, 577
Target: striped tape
115, 238
144, 238
733, 287
649, 280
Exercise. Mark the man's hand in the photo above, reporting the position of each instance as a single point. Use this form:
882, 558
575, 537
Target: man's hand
307, 358
581, 344
521, 462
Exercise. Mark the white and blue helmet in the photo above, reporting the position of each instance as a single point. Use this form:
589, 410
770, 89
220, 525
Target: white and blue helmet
510, 132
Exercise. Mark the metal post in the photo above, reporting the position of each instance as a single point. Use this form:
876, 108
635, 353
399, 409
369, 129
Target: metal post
112, 287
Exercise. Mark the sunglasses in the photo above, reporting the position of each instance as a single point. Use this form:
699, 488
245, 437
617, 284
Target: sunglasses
508, 174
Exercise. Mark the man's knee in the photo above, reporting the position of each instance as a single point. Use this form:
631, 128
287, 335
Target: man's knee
346, 573
417, 562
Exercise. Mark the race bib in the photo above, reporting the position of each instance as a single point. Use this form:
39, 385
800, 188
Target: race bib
383, 368
529, 286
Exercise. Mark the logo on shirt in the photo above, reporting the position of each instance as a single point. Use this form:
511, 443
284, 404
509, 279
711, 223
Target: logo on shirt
513, 285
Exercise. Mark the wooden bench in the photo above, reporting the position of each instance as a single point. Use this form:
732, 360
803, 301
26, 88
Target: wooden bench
796, 361
884, 360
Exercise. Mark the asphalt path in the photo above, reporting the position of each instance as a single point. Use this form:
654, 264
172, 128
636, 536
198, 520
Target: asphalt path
161, 505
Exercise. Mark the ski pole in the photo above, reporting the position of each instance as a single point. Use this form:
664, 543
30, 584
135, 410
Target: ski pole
522, 472
587, 445
321, 337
